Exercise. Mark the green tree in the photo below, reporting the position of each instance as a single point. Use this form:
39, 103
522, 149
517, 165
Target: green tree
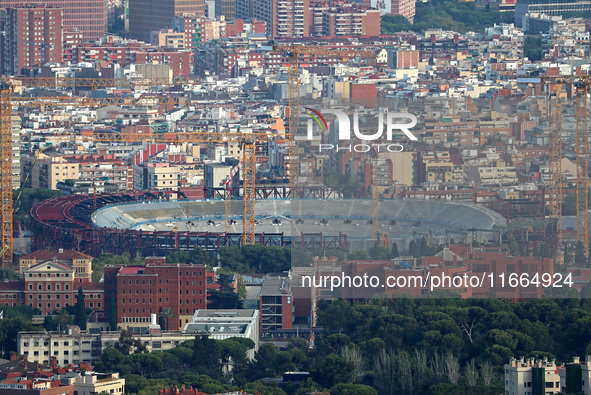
333, 370
352, 389
231, 258
360, 255
80, 319
207, 357
532, 49
225, 297
379, 253
165, 314
267, 259
128, 345
9, 329
146, 365
241, 288
99, 263
413, 250
394, 253
199, 256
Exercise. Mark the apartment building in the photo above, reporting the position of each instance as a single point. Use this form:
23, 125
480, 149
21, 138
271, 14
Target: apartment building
334, 19
530, 376
48, 170
75, 346
72, 346
101, 169
156, 175
33, 37
284, 18
91, 383
167, 38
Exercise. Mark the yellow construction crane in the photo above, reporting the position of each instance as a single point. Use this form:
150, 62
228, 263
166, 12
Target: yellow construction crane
581, 86
7, 101
294, 53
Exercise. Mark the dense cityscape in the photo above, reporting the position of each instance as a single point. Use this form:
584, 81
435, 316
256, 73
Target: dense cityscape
293, 197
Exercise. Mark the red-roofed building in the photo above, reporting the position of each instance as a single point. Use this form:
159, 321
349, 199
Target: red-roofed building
182, 390
34, 387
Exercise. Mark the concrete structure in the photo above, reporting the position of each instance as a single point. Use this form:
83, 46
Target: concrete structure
224, 324
149, 15
90, 16
33, 37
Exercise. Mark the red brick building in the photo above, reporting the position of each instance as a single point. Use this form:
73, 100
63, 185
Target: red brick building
33, 37
364, 95
139, 291
49, 281
90, 16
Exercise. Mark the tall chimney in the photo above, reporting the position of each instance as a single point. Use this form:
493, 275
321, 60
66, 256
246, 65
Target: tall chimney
13, 356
